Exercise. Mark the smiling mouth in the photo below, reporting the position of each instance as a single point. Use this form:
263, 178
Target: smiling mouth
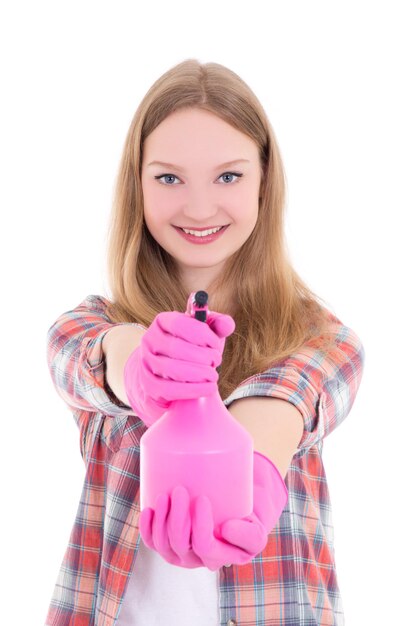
201, 229
201, 234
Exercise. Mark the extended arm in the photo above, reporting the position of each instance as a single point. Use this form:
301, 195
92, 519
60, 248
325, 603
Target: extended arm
118, 345
276, 426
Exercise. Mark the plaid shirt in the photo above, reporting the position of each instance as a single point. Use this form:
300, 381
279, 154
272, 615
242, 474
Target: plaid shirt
293, 581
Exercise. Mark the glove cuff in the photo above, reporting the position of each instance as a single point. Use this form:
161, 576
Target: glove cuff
267, 477
155, 409
128, 376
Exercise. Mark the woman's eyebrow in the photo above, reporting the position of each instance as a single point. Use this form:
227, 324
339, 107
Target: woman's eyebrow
181, 169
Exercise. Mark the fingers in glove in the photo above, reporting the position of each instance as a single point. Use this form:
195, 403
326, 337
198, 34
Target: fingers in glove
246, 534
178, 369
188, 328
173, 389
179, 522
179, 348
222, 324
213, 552
190, 559
159, 533
145, 527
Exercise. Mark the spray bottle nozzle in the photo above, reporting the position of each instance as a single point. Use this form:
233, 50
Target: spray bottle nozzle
197, 305
201, 298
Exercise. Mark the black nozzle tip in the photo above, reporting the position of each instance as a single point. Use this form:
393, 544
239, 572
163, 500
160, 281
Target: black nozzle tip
201, 298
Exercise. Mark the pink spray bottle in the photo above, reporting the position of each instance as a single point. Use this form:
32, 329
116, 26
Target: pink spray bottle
197, 443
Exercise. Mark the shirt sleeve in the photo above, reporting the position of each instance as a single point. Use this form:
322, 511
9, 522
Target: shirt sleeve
321, 383
76, 360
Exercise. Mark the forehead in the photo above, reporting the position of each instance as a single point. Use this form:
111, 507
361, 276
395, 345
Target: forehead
180, 168
197, 135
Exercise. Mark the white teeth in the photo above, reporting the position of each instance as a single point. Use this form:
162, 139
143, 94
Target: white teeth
201, 233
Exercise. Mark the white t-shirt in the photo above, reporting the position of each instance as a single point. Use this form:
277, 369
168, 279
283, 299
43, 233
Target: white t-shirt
160, 593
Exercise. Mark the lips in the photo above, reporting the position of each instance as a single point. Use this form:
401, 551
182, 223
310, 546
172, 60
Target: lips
201, 229
201, 239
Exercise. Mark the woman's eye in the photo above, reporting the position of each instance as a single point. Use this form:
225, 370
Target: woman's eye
231, 174
165, 176
173, 176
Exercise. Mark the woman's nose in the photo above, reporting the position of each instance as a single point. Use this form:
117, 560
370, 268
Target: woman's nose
200, 210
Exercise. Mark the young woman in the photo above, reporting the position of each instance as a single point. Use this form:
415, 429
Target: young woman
201, 155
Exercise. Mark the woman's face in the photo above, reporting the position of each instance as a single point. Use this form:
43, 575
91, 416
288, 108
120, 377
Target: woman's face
197, 192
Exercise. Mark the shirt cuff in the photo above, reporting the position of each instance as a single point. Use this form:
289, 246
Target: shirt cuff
92, 371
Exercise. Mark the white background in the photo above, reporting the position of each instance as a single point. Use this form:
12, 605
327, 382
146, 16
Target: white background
338, 82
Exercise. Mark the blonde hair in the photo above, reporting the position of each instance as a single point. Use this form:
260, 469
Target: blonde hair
274, 310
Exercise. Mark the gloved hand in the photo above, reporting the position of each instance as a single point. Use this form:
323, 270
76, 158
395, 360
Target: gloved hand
176, 359
187, 539
167, 529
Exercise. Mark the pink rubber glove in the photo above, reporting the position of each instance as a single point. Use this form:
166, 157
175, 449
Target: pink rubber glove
186, 538
176, 359
167, 529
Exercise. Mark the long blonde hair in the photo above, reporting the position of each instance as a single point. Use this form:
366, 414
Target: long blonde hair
274, 310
